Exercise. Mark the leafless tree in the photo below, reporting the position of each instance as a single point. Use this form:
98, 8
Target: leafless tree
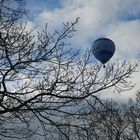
111, 121
112, 125
45, 85
133, 118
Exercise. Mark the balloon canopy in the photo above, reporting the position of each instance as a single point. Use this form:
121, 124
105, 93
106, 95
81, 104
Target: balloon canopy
103, 49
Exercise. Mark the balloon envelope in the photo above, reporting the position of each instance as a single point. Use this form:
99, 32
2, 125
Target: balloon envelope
103, 49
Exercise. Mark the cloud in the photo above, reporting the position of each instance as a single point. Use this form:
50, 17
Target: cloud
116, 19
96, 18
129, 9
127, 38
93, 19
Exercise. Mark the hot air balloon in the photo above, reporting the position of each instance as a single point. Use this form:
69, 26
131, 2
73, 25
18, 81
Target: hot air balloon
103, 49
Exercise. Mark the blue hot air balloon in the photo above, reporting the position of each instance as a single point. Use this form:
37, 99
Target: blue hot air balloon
103, 49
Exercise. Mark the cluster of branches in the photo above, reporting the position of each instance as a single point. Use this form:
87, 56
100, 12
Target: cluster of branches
11, 10
44, 83
113, 121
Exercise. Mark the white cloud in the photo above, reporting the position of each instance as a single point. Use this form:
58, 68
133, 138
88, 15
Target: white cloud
129, 8
127, 38
116, 19
96, 16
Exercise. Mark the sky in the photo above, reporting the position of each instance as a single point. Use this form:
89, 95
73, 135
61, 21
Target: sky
118, 20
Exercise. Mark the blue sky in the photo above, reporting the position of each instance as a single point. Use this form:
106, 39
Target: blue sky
37, 6
117, 19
